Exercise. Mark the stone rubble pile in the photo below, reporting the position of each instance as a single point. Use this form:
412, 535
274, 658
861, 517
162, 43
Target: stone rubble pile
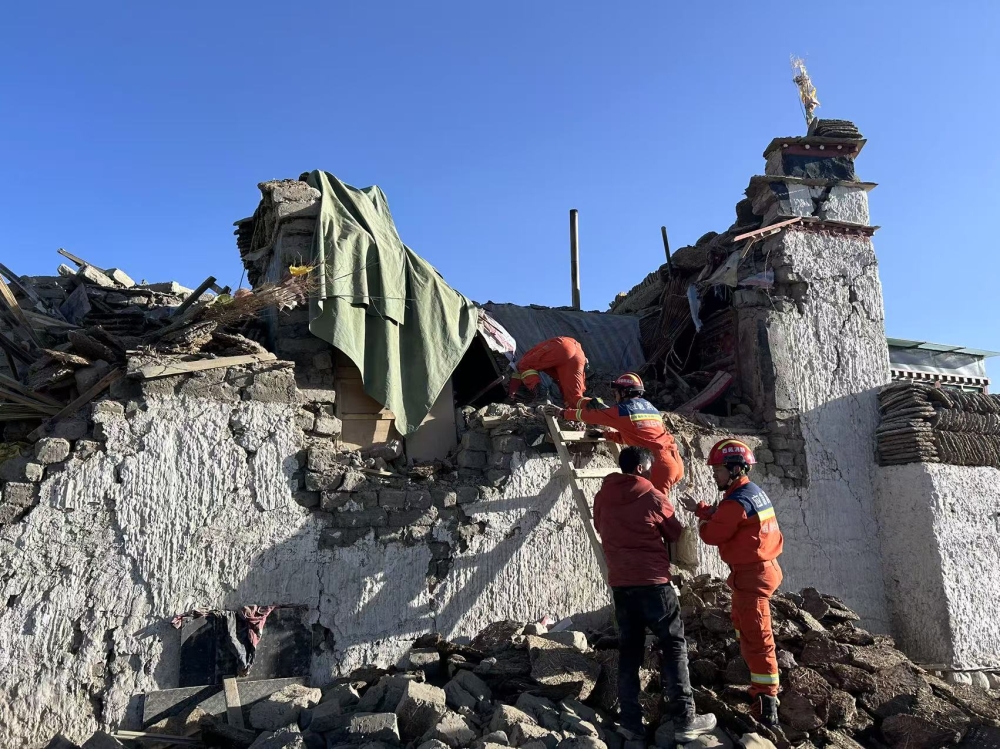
63, 335
517, 685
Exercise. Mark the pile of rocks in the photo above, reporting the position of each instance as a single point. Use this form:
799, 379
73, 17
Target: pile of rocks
62, 336
517, 685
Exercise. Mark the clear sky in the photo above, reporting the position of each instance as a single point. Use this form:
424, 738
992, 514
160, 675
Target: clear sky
134, 134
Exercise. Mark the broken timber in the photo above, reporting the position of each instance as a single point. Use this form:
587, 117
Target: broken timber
575, 474
104, 383
234, 710
152, 371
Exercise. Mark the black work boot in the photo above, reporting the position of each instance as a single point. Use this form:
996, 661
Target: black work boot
767, 707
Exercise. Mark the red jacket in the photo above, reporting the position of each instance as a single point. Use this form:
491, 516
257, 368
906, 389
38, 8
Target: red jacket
635, 521
742, 525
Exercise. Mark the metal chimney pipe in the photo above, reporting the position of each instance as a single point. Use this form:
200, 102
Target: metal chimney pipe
574, 255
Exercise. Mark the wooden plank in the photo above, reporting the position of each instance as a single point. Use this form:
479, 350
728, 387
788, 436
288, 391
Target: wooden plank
41, 398
40, 320
29, 402
583, 507
493, 421
593, 473
767, 230
571, 437
8, 301
169, 369
161, 739
103, 384
21, 285
234, 711
194, 296
12, 349
79, 261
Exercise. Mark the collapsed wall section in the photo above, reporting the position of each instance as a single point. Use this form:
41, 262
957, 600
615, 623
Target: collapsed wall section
214, 472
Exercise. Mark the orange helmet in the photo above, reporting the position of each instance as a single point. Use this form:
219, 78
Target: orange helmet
729, 452
629, 381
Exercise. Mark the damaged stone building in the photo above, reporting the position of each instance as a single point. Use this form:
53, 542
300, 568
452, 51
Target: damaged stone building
293, 484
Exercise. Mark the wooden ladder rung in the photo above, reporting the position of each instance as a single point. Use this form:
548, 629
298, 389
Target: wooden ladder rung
593, 473
570, 437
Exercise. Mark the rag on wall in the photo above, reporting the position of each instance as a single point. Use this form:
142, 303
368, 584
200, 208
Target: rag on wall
244, 628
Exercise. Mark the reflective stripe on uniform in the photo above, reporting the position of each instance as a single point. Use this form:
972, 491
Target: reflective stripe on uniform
737, 634
579, 414
767, 514
764, 678
646, 417
529, 373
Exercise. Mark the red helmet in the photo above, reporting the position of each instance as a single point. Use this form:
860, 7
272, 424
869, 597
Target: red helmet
629, 381
728, 452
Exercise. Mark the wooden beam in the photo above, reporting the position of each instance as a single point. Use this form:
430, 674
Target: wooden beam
12, 349
15, 385
29, 402
161, 739
169, 369
8, 301
21, 285
194, 296
78, 260
593, 473
103, 384
234, 710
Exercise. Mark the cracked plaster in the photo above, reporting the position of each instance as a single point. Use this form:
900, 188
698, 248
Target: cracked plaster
120, 543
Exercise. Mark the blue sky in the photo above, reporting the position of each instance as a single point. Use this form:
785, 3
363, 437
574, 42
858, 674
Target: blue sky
134, 134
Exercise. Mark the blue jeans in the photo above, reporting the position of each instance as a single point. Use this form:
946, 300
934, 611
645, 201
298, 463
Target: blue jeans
654, 607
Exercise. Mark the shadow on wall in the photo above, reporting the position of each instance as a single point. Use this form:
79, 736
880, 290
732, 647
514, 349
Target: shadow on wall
367, 601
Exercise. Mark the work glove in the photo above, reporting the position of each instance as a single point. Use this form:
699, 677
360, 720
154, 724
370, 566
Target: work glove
596, 404
595, 434
549, 410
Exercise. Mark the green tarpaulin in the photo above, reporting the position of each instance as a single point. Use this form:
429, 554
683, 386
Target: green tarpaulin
383, 305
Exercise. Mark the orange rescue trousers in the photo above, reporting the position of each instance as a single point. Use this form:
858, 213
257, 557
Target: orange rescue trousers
752, 586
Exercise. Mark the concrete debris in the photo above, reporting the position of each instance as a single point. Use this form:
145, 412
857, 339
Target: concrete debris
845, 688
80, 327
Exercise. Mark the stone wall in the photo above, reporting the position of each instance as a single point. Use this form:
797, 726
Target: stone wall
214, 472
940, 541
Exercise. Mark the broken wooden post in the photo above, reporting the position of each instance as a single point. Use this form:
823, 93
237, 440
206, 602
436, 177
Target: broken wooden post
234, 710
194, 296
666, 249
574, 254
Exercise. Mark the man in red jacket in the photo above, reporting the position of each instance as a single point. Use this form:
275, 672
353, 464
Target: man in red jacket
563, 360
635, 521
633, 421
745, 529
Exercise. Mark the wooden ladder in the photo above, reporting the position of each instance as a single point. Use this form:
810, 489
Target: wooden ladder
562, 441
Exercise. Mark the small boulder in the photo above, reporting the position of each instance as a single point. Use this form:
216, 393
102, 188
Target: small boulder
569, 638
454, 730
285, 738
506, 717
49, 450
420, 708
284, 707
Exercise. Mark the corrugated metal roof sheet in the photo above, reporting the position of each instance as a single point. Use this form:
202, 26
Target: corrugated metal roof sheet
611, 342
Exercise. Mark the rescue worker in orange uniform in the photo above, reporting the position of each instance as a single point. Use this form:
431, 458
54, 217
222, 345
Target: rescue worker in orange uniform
745, 529
633, 421
563, 360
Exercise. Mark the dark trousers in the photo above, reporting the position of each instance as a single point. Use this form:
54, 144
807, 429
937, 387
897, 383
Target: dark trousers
652, 607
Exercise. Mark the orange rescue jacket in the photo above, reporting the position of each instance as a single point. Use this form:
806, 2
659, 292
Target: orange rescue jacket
742, 525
